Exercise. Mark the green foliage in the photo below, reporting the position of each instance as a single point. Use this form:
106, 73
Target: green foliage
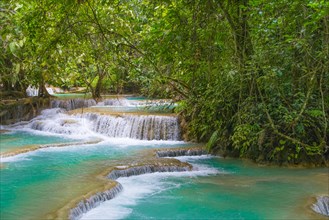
251, 76
212, 141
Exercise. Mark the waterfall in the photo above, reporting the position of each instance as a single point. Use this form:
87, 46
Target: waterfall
50, 91
180, 152
72, 104
32, 91
138, 170
114, 102
144, 127
55, 121
322, 205
93, 201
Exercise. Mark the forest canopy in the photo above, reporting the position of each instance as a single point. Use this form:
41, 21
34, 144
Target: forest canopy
250, 76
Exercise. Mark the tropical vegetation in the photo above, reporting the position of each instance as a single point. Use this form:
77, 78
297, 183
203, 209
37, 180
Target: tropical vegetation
251, 76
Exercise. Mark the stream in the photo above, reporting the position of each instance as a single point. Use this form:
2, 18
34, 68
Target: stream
54, 166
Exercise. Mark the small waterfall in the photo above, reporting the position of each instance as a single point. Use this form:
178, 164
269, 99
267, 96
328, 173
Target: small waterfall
114, 102
322, 205
138, 170
72, 104
57, 122
144, 127
74, 127
50, 91
180, 152
32, 91
93, 201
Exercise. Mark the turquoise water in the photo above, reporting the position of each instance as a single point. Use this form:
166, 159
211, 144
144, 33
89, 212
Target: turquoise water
244, 192
14, 140
35, 185
40, 182
221, 189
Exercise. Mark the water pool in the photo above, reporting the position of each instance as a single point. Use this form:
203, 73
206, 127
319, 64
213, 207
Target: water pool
39, 183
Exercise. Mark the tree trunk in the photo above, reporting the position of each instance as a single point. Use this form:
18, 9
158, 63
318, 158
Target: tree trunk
42, 89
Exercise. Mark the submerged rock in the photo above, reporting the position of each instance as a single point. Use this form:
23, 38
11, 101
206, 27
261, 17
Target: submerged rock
322, 205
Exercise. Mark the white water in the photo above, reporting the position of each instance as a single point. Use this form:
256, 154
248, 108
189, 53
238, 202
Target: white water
50, 91
121, 132
56, 122
85, 126
322, 205
145, 127
71, 104
121, 101
126, 130
32, 91
94, 201
141, 186
115, 102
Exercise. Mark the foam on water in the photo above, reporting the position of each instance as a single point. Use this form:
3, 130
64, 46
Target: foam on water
141, 186
195, 158
83, 126
146, 127
56, 122
19, 157
322, 205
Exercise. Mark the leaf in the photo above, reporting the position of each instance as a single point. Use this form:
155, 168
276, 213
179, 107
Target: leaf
12, 47
212, 141
17, 68
315, 113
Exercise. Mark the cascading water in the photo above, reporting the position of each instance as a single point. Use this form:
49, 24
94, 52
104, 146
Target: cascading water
32, 91
322, 205
143, 127
57, 122
97, 199
72, 104
114, 102
50, 91
94, 201
74, 171
138, 170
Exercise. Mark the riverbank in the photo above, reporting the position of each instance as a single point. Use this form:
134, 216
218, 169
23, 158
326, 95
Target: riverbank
23, 109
